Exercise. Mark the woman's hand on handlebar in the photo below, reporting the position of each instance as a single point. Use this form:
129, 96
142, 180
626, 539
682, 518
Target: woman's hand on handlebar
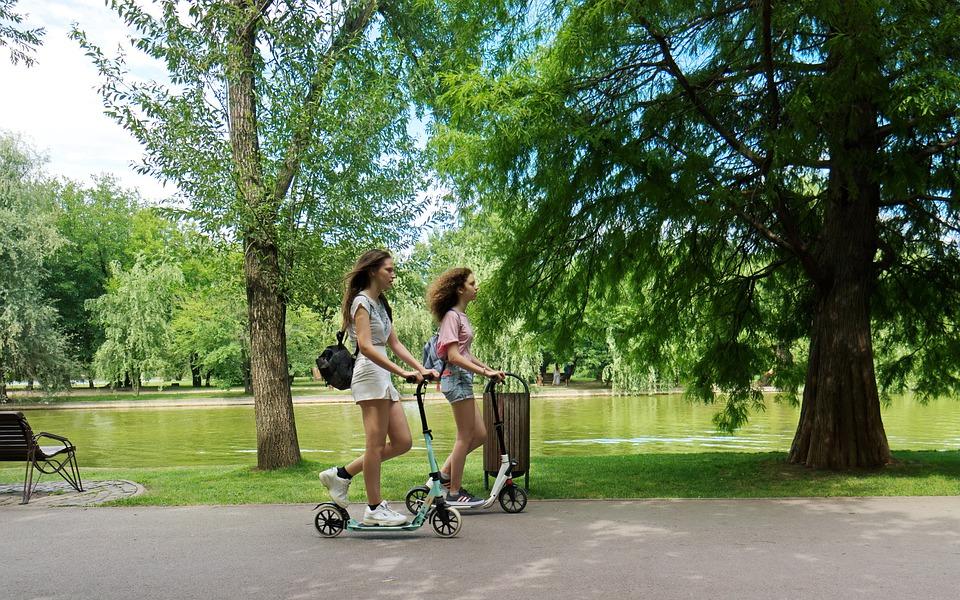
495, 375
430, 374
412, 377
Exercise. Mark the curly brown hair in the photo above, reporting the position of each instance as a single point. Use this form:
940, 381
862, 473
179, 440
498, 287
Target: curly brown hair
442, 293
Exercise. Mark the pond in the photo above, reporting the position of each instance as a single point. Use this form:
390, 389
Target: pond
332, 433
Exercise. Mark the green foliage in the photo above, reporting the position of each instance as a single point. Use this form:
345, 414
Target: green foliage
356, 179
100, 224
32, 344
20, 42
135, 314
209, 326
307, 334
668, 166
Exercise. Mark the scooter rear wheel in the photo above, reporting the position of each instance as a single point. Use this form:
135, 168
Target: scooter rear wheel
446, 522
330, 520
513, 499
416, 497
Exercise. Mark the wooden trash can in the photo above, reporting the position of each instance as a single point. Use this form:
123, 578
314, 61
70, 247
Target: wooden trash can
515, 410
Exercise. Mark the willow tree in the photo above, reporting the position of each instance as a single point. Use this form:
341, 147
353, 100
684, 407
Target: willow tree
751, 178
33, 346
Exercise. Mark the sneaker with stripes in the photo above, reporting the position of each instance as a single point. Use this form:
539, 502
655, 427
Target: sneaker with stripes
463, 499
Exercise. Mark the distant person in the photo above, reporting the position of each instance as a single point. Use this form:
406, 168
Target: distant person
369, 320
567, 373
447, 298
556, 374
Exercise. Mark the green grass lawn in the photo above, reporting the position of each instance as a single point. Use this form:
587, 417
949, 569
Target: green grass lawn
707, 475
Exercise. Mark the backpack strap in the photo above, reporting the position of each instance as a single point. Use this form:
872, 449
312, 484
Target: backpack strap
340, 335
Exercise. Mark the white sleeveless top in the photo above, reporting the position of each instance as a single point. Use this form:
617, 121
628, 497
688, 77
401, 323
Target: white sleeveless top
370, 380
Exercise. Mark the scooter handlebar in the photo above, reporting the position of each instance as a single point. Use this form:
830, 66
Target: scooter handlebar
426, 378
493, 382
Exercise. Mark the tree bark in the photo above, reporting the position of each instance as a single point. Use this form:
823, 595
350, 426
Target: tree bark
3, 382
247, 382
277, 444
195, 371
840, 425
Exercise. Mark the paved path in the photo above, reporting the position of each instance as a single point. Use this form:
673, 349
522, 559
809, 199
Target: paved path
800, 548
60, 493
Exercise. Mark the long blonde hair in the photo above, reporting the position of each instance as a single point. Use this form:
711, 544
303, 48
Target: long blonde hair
442, 293
358, 279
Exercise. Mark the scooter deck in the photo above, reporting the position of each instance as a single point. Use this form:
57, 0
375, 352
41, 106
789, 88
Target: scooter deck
354, 525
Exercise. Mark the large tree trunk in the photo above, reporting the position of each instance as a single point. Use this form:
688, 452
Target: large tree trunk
840, 425
277, 444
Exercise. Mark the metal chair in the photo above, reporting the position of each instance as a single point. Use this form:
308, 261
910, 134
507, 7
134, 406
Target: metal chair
18, 442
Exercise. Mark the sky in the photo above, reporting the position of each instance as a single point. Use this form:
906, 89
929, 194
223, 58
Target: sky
55, 107
54, 104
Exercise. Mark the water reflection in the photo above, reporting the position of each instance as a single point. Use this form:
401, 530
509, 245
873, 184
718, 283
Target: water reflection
333, 433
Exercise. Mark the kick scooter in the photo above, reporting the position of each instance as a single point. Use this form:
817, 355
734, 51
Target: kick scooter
512, 497
332, 519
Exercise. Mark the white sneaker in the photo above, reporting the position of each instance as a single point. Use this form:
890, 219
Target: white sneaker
383, 515
337, 486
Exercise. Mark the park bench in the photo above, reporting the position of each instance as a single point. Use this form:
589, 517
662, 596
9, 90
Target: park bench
18, 443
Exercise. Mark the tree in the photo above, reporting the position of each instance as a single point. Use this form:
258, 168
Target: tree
32, 345
100, 225
751, 176
286, 125
210, 333
135, 314
20, 43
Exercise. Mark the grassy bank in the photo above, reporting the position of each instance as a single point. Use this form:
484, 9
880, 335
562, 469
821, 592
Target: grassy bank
147, 394
707, 475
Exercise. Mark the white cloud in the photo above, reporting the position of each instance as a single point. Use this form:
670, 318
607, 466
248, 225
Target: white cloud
55, 105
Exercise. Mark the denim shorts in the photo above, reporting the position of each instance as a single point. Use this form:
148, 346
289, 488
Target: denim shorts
457, 385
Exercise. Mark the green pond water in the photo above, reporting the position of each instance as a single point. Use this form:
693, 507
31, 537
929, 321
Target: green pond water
333, 433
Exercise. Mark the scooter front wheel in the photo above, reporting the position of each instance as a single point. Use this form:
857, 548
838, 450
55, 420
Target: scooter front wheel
513, 499
446, 522
330, 520
416, 497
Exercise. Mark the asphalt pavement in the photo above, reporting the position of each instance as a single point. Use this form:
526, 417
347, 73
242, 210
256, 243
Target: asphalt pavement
744, 549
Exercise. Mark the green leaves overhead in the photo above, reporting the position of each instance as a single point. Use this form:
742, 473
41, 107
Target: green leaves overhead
678, 158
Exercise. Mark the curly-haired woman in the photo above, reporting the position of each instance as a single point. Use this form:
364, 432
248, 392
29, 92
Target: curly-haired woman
447, 298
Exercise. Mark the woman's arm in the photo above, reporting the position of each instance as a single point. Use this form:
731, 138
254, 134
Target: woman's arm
472, 365
477, 362
394, 343
361, 321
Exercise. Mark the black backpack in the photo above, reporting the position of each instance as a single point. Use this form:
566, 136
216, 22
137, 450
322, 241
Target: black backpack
335, 364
